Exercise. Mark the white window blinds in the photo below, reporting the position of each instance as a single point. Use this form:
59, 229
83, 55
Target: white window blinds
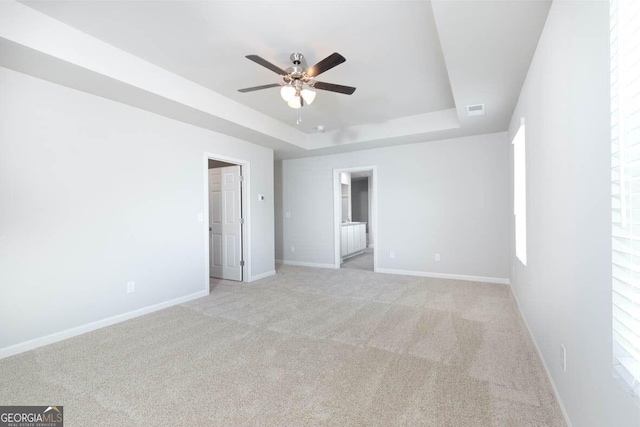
625, 188
520, 193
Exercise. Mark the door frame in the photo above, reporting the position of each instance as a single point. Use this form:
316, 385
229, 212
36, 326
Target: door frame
337, 210
245, 170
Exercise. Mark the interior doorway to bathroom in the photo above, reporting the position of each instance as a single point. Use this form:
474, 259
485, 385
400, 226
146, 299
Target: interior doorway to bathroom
226, 220
355, 218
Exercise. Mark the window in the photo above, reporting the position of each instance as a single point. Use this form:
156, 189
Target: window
625, 187
520, 193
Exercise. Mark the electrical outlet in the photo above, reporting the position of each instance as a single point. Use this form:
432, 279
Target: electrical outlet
131, 287
392, 255
287, 215
563, 358
293, 249
437, 257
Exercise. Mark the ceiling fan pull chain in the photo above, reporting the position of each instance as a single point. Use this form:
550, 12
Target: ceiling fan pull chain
298, 116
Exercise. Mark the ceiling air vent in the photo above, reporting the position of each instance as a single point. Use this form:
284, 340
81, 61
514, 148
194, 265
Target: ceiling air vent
475, 110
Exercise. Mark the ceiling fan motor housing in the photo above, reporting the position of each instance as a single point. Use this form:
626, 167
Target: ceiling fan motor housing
295, 73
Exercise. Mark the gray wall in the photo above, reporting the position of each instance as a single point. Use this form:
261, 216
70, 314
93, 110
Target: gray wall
94, 194
360, 199
448, 196
565, 289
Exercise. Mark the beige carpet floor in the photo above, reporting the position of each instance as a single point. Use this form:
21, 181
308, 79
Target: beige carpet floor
306, 347
363, 261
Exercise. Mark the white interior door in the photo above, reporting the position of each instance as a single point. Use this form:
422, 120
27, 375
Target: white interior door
225, 223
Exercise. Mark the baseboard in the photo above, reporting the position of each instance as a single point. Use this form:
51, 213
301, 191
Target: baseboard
304, 264
544, 362
79, 330
500, 280
353, 254
262, 275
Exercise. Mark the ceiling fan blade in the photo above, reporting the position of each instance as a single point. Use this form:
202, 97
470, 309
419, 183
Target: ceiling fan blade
347, 90
326, 64
251, 89
266, 64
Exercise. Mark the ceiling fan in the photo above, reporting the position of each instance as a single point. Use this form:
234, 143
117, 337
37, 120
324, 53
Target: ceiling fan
299, 82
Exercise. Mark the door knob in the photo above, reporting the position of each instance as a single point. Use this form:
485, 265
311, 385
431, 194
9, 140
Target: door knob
209, 228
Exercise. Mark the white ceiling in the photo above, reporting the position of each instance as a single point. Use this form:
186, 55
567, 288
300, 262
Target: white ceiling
416, 64
392, 49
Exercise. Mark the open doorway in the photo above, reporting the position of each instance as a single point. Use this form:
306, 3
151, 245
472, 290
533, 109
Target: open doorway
355, 218
227, 218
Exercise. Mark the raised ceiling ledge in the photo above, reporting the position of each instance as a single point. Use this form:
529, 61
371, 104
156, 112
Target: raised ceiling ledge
37, 44
404, 126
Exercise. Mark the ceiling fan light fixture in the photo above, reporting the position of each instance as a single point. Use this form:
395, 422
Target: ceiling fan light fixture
308, 95
295, 102
288, 92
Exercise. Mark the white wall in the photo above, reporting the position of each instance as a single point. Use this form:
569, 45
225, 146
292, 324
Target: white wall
565, 289
446, 196
94, 194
